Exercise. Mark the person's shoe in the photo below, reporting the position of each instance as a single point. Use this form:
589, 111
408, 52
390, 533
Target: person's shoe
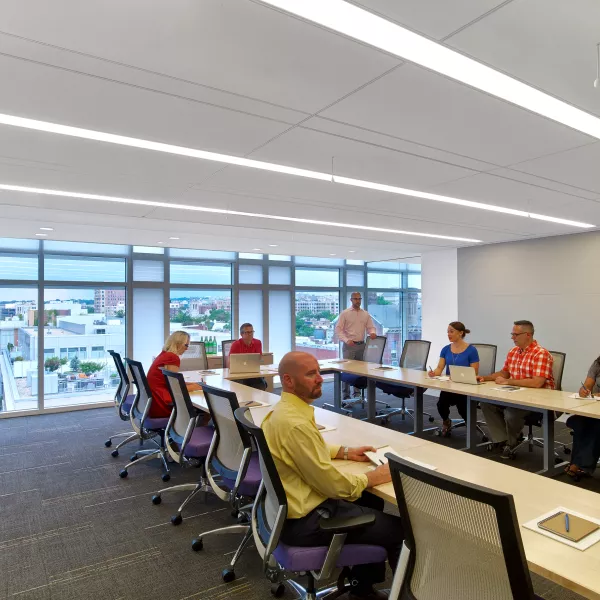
356, 394
508, 453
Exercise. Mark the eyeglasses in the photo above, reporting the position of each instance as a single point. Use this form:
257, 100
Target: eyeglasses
187, 345
518, 334
247, 332
356, 298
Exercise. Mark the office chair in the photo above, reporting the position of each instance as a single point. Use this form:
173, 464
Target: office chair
186, 440
535, 419
226, 348
461, 540
232, 470
414, 356
147, 427
194, 358
373, 354
282, 562
123, 402
487, 366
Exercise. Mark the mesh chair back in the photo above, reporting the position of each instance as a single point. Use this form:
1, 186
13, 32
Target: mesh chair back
194, 358
272, 503
374, 349
183, 422
558, 367
487, 358
463, 539
231, 438
226, 348
124, 383
143, 397
414, 354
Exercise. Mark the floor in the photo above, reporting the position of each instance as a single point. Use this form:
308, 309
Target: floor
70, 528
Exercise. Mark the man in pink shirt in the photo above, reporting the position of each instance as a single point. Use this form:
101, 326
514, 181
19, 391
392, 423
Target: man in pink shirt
353, 323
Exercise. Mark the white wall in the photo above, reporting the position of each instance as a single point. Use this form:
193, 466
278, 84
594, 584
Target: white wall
553, 282
439, 286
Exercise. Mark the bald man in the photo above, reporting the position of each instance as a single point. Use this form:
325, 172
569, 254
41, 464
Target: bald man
314, 487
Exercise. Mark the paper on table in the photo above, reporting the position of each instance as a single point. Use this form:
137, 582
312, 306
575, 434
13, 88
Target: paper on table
508, 388
440, 377
325, 428
208, 372
583, 544
578, 397
337, 362
383, 368
252, 403
378, 457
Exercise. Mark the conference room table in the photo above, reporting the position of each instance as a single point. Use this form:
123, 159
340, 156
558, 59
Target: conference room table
538, 400
533, 495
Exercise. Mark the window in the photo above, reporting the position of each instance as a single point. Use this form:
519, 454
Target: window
65, 268
200, 273
251, 256
315, 323
148, 270
355, 279
414, 280
75, 248
97, 351
357, 263
202, 313
149, 249
280, 323
280, 276
16, 244
148, 324
280, 257
251, 311
413, 315
317, 277
18, 266
319, 262
209, 254
250, 274
385, 308
377, 279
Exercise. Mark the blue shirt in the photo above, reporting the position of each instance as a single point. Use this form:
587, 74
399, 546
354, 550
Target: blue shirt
464, 359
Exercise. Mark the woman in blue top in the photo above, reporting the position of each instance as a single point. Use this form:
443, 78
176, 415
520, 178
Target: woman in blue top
461, 354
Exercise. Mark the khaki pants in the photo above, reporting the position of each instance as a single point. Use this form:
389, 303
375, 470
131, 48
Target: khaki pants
505, 423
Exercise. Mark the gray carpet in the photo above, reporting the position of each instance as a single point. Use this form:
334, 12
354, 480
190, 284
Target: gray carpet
70, 528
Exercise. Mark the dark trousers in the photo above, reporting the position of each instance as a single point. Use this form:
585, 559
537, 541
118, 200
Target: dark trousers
586, 442
257, 383
386, 531
448, 399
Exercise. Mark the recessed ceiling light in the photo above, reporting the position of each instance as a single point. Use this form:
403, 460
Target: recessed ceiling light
174, 238
265, 166
46, 228
273, 245
332, 255
224, 211
42, 234
160, 242
376, 31
256, 249
351, 250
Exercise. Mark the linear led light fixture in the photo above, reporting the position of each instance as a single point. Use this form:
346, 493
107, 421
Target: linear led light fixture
122, 140
376, 31
224, 211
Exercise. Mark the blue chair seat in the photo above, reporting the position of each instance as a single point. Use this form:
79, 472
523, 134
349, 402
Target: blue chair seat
156, 424
126, 406
354, 380
296, 558
250, 483
199, 442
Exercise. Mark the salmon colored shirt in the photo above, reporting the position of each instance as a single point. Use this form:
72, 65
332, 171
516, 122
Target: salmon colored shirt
162, 403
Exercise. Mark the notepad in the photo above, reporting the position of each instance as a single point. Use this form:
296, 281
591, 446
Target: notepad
382, 368
378, 457
208, 372
193, 386
252, 404
508, 388
337, 362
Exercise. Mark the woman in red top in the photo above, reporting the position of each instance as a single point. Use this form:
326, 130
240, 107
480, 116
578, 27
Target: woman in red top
162, 404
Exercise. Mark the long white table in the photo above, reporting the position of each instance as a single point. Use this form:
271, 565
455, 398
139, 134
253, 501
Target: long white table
533, 495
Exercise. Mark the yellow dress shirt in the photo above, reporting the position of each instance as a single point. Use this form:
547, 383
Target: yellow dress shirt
303, 459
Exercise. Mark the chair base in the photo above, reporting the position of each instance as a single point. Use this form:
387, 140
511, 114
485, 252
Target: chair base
195, 488
145, 455
303, 593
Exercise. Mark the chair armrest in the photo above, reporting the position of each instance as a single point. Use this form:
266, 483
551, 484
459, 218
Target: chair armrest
346, 524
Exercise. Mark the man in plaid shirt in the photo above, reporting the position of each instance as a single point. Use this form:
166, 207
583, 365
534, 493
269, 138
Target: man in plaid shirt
527, 365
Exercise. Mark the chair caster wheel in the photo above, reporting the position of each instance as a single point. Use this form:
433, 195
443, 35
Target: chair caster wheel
242, 519
114, 453
277, 590
567, 450
197, 545
557, 460
166, 477
431, 419
133, 457
176, 520
485, 438
156, 499
108, 443
123, 474
234, 513
384, 422
228, 575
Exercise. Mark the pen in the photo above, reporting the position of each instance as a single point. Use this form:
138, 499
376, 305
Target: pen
566, 522
583, 386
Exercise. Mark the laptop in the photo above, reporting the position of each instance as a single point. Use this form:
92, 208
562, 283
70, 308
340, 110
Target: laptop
244, 363
463, 375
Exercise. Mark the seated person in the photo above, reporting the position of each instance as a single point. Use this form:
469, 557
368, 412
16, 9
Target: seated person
247, 344
314, 487
176, 344
527, 365
586, 430
461, 354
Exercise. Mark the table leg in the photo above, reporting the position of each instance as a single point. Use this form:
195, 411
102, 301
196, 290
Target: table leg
419, 391
471, 423
548, 433
337, 391
371, 404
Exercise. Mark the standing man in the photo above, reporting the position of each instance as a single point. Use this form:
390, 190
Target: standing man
314, 488
247, 344
353, 323
527, 365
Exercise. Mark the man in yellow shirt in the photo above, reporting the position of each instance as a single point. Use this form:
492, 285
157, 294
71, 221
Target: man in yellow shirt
314, 487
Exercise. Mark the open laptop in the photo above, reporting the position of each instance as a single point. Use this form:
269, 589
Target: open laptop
244, 363
463, 375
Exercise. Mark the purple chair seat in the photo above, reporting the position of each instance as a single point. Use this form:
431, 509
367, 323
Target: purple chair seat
251, 482
126, 406
199, 443
158, 423
296, 558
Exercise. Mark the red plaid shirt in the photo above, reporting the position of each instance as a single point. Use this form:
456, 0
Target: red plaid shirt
534, 361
